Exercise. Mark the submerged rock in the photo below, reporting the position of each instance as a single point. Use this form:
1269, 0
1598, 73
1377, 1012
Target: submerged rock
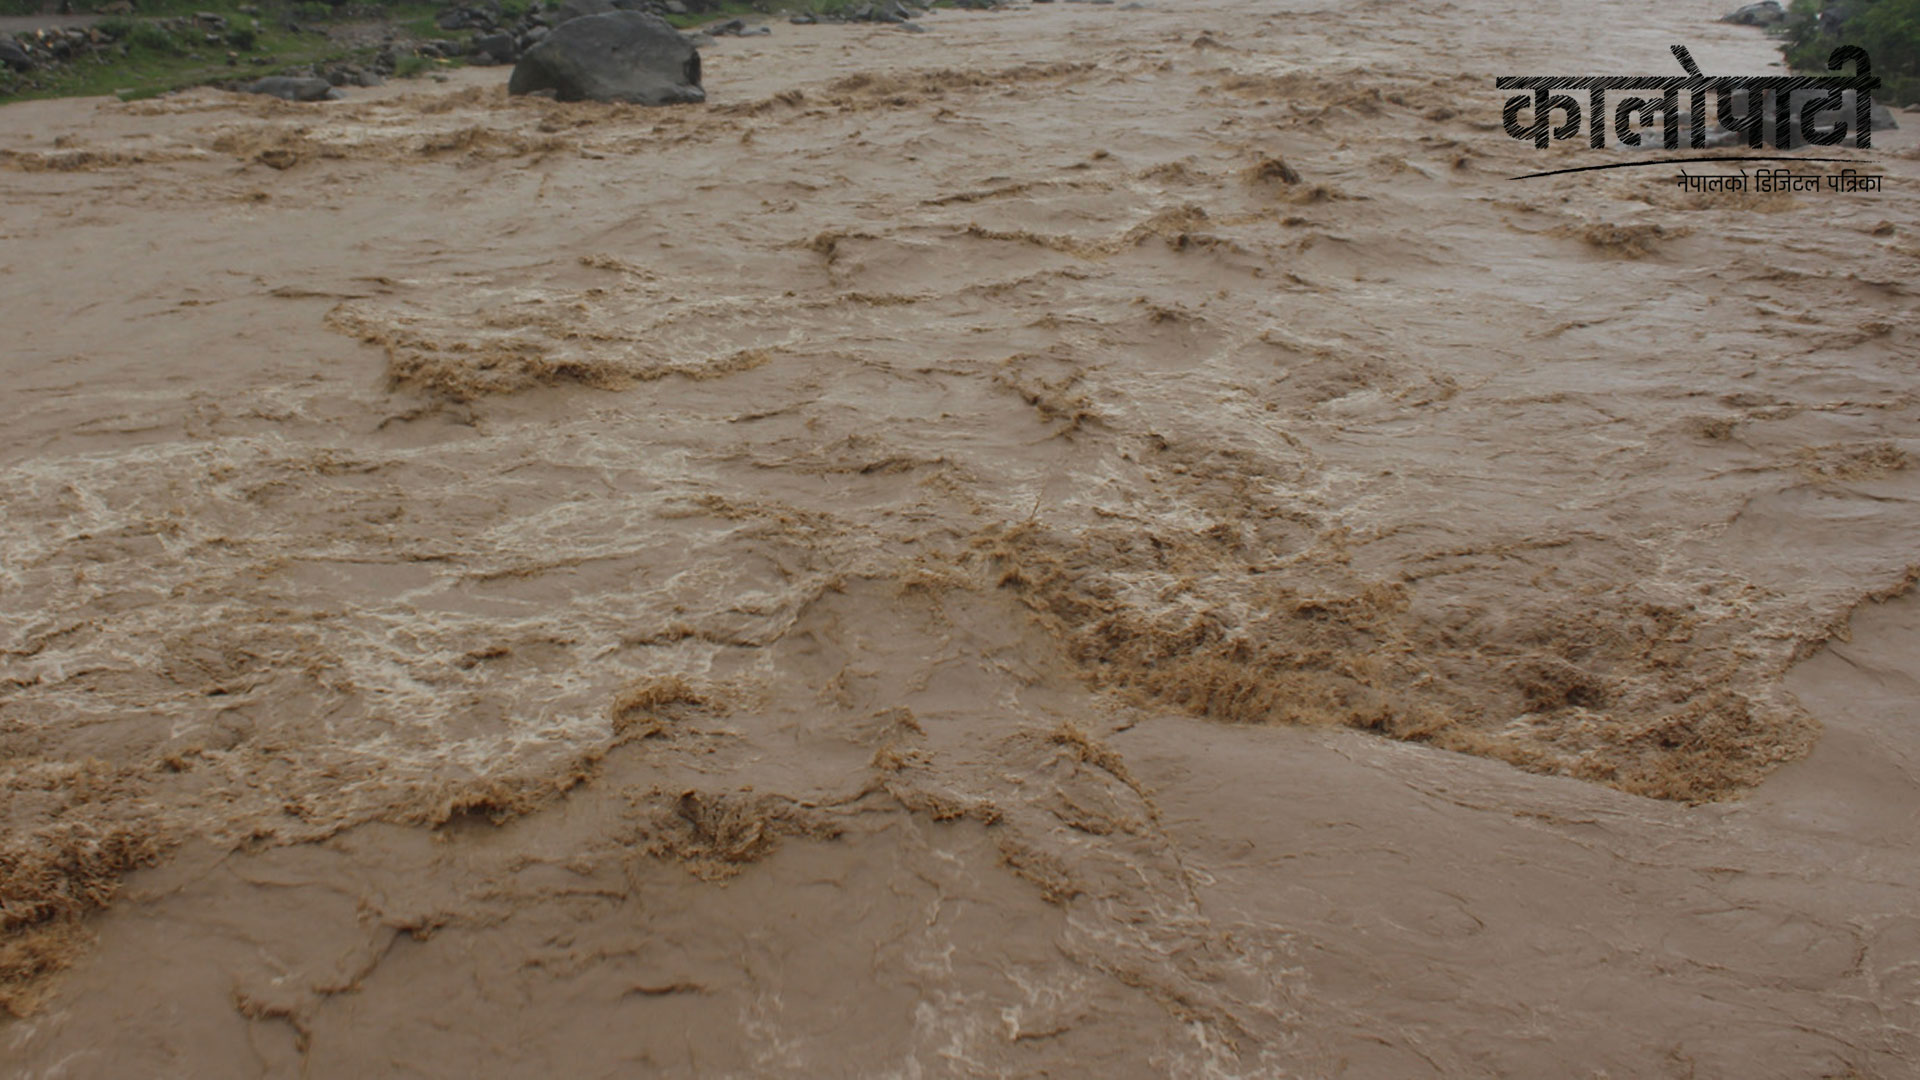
1653, 133
618, 56
495, 48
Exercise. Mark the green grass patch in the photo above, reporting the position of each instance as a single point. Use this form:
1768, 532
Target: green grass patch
147, 59
154, 62
151, 37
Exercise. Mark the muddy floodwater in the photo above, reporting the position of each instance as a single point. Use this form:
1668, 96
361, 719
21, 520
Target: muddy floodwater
1096, 540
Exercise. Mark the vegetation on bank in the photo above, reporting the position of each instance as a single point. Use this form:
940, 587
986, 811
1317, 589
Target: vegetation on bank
1888, 29
170, 44
165, 45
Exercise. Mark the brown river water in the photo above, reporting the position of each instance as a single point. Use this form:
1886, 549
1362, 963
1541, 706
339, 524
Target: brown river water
1093, 541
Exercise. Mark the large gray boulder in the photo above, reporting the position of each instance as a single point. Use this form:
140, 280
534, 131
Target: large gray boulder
1827, 119
291, 89
1765, 13
619, 56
